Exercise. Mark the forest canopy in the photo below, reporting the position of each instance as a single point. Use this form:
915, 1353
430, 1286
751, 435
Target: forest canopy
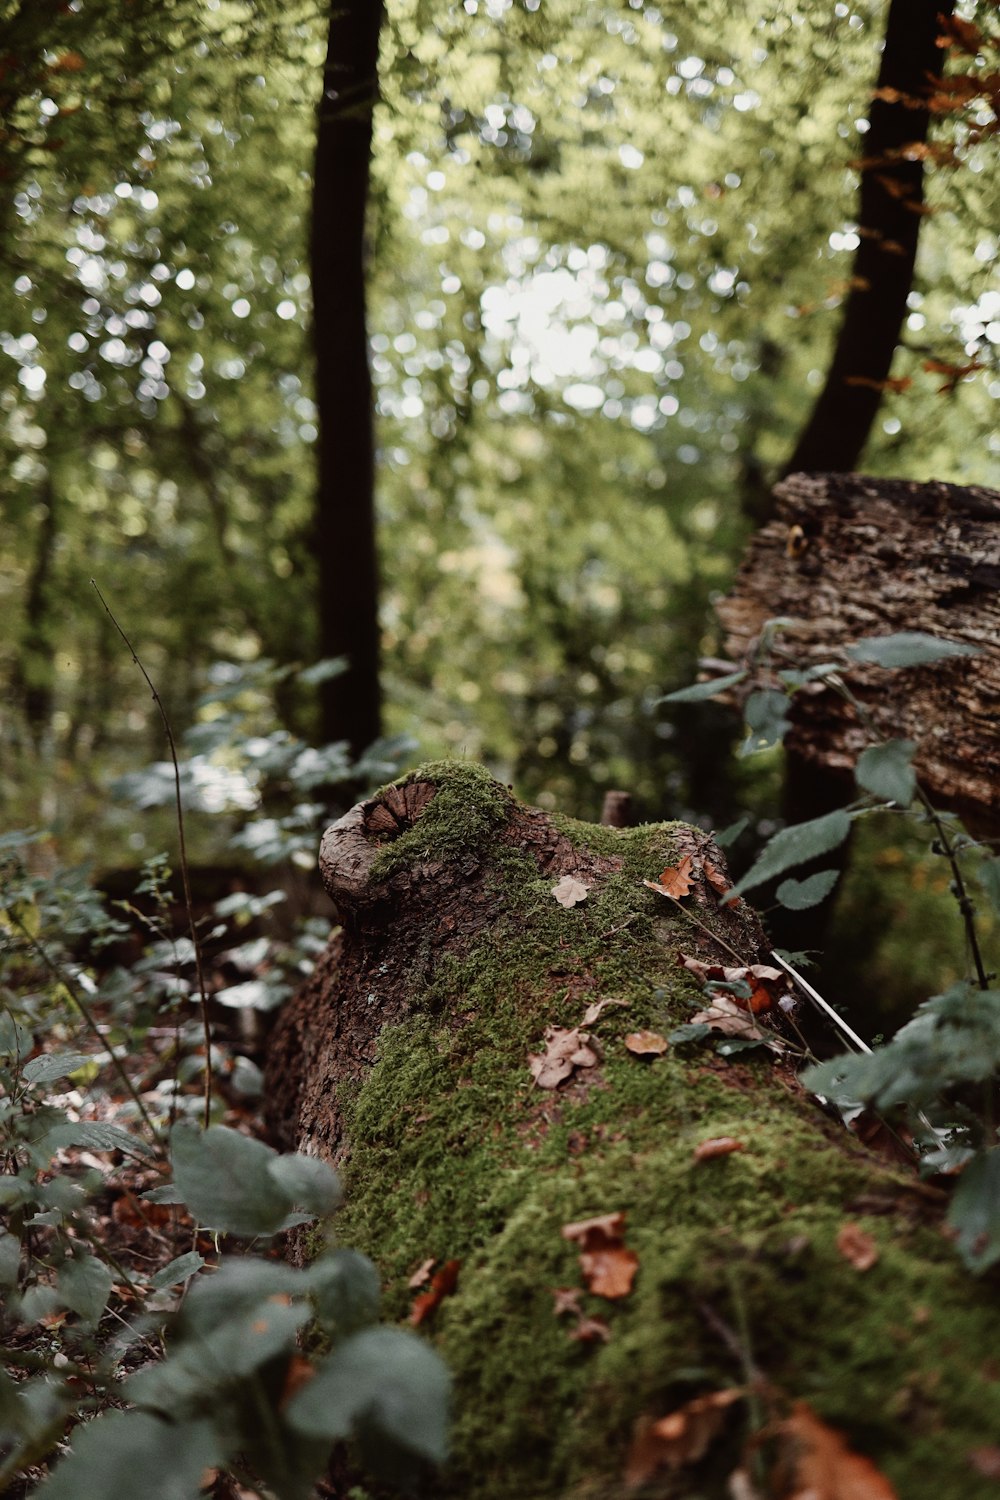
608, 249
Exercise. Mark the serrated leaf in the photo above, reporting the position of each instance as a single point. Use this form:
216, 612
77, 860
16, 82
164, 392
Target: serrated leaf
974, 1211
698, 692
94, 1135
111, 1452
384, 1381
795, 846
887, 771
799, 895
53, 1065
907, 648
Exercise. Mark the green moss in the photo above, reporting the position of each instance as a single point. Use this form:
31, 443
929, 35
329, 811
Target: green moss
468, 806
456, 1155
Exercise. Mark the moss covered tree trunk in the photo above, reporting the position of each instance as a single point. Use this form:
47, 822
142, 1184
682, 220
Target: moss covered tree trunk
407, 1061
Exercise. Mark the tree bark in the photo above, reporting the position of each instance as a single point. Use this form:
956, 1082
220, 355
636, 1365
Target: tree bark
890, 211
344, 530
850, 556
412, 1059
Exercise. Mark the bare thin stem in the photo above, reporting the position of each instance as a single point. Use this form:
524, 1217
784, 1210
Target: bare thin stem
182, 845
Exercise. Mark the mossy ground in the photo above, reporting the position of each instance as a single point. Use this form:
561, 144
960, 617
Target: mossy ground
456, 1155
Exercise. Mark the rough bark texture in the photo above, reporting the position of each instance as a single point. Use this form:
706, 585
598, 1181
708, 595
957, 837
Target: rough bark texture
405, 1060
851, 556
890, 212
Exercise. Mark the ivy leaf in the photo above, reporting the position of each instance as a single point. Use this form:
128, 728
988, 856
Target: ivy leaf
907, 648
799, 895
887, 771
794, 846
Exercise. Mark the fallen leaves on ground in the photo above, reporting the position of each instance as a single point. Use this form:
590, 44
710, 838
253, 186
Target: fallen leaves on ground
857, 1247
817, 1464
608, 1266
443, 1284
986, 1461
766, 984
646, 1043
676, 880
726, 1015
422, 1274
681, 1438
569, 891
720, 1145
597, 1007
586, 1330
565, 1051
298, 1372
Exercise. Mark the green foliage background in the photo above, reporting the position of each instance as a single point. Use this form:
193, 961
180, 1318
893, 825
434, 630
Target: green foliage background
608, 246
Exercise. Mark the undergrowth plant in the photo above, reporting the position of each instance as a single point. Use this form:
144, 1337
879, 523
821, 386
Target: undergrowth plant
937, 1077
219, 1358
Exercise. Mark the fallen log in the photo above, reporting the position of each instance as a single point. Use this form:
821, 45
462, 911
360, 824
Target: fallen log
850, 556
601, 1230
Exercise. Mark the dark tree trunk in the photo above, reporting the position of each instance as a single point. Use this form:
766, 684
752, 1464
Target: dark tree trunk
411, 1060
889, 217
35, 667
345, 513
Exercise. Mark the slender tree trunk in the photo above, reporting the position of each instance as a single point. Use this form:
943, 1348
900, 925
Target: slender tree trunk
889, 218
36, 664
344, 531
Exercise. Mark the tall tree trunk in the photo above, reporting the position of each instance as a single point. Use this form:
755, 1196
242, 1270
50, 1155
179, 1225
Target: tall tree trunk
889, 217
35, 669
344, 530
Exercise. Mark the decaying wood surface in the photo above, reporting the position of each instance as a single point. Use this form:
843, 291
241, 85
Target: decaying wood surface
850, 556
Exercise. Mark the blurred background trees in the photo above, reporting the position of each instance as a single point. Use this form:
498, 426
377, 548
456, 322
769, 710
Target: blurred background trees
608, 252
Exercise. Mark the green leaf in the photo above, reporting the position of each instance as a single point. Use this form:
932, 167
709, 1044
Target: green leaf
731, 833
698, 692
767, 721
989, 878
798, 895
693, 1031
345, 1287
226, 1180
168, 1193
730, 1045
84, 1286
908, 648
15, 1039
794, 846
95, 1136
53, 1065
974, 1211
10, 1258
111, 1453
178, 1270
887, 771
309, 1183
323, 671
384, 1381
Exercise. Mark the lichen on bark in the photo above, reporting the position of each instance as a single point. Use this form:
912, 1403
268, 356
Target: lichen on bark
405, 1061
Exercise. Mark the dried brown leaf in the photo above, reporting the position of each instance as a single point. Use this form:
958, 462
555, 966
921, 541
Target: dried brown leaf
566, 1299
676, 879
597, 1008
608, 1266
681, 1438
857, 1247
726, 1016
422, 1274
444, 1283
646, 1043
720, 1145
591, 1331
569, 891
719, 882
986, 1461
565, 1050
818, 1464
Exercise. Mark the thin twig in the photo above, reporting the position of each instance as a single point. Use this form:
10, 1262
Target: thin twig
182, 845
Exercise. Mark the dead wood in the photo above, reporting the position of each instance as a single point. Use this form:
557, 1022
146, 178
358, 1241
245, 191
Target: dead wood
850, 556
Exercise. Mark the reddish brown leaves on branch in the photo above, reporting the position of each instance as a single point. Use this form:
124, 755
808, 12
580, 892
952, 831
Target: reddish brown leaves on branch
443, 1284
608, 1266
